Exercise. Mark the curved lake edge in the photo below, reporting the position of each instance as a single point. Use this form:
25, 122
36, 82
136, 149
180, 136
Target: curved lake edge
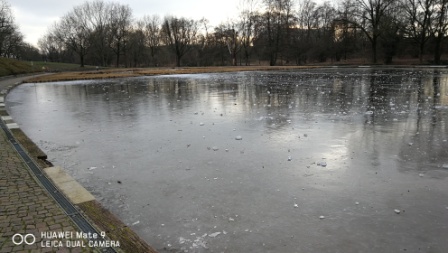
407, 67
102, 218
136, 72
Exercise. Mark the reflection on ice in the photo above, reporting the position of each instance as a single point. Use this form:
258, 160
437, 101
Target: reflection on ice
382, 132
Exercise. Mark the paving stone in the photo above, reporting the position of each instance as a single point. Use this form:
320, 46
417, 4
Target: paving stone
26, 207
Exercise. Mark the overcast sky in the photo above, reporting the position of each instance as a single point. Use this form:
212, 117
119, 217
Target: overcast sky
34, 17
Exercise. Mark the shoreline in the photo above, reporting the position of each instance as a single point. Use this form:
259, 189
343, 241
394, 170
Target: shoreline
136, 72
95, 214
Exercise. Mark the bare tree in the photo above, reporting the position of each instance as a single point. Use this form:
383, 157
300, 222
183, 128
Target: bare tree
120, 21
229, 35
74, 32
6, 24
136, 46
179, 34
51, 48
439, 28
307, 13
368, 18
419, 15
11, 39
98, 19
248, 16
275, 25
151, 30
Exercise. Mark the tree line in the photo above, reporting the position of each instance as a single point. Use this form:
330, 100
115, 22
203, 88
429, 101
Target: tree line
274, 32
11, 39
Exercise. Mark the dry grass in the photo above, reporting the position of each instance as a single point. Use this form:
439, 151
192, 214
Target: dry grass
121, 73
134, 72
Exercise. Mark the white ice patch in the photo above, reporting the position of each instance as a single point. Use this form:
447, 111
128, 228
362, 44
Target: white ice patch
214, 234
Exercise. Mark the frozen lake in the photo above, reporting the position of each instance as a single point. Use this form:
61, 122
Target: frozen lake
328, 160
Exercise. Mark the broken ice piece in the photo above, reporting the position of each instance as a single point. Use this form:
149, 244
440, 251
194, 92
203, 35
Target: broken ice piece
238, 138
289, 158
214, 234
91, 168
231, 219
323, 164
321, 217
357, 203
296, 205
445, 166
181, 240
135, 223
397, 211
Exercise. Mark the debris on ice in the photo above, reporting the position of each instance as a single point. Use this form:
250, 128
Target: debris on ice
214, 234
322, 164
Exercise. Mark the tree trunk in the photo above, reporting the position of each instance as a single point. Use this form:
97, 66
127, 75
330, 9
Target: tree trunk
374, 51
420, 53
178, 60
272, 60
118, 56
422, 48
81, 56
438, 50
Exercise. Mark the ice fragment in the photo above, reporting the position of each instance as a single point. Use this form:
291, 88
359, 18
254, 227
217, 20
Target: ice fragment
323, 164
214, 234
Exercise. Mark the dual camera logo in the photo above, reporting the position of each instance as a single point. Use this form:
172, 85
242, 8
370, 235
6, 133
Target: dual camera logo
19, 239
